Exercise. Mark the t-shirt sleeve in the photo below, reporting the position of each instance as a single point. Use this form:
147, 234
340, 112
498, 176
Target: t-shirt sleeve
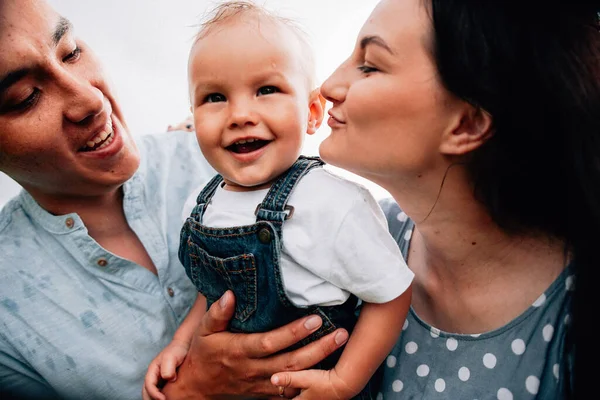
368, 261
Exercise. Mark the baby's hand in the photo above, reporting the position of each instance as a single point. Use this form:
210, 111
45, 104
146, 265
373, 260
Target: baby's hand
316, 384
164, 368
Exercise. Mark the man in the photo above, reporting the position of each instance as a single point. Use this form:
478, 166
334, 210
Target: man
90, 285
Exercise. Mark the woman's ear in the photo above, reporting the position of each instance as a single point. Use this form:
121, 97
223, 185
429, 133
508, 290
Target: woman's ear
316, 111
473, 127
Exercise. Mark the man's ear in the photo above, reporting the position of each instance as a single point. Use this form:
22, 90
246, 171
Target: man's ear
316, 111
473, 127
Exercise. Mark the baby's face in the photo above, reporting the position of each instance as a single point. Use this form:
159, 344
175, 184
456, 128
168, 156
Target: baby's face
250, 100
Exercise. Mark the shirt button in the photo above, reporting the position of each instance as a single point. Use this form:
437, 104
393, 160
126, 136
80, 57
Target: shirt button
171, 292
69, 222
102, 262
264, 235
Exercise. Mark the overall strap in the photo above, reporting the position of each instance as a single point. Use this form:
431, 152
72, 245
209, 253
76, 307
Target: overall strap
274, 207
205, 196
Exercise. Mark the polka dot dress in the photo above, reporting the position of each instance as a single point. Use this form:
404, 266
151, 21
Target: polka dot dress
522, 360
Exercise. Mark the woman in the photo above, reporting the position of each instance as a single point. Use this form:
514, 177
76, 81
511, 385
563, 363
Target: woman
481, 119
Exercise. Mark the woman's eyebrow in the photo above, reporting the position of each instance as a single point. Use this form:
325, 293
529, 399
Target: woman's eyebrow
375, 40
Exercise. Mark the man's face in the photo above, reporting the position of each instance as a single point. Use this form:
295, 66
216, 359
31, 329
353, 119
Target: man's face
61, 130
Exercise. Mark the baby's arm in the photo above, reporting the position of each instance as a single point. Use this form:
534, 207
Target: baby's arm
165, 364
377, 330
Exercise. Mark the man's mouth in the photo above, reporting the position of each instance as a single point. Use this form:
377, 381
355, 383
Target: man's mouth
247, 145
101, 140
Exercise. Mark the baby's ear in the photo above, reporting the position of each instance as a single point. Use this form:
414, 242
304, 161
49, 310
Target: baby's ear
316, 111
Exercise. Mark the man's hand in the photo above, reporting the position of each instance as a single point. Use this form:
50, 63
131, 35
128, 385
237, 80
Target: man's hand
224, 365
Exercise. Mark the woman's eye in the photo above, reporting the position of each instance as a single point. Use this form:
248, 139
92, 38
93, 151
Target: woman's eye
214, 98
365, 69
267, 90
74, 55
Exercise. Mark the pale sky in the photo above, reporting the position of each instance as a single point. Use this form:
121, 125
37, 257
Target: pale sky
144, 46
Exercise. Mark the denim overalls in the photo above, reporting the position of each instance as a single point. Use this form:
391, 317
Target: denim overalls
245, 259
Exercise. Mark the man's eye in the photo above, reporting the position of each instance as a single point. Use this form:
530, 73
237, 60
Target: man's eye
214, 98
74, 55
25, 104
267, 90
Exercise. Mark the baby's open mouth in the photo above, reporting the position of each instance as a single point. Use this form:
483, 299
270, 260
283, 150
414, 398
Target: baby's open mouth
247, 146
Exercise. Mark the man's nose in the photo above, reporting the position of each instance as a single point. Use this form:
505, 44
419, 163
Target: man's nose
85, 100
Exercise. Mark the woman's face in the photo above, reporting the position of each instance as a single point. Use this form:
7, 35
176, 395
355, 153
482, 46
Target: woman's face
390, 110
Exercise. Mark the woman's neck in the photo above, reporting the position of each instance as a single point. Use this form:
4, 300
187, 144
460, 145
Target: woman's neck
466, 266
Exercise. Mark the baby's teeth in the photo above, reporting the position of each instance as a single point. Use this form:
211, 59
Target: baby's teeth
91, 143
242, 142
104, 135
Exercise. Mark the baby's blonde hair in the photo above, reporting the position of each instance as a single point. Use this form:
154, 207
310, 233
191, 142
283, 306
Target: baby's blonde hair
228, 10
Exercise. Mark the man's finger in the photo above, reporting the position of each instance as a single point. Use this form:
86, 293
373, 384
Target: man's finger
296, 379
309, 355
259, 345
218, 315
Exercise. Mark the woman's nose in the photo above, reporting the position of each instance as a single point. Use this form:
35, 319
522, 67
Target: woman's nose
335, 87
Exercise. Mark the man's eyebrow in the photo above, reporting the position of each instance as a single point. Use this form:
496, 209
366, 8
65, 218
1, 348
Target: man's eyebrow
63, 26
376, 40
11, 78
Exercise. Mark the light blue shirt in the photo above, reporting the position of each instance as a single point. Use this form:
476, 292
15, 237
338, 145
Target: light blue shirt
78, 322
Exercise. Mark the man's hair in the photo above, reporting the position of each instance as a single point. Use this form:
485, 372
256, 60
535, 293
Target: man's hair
228, 10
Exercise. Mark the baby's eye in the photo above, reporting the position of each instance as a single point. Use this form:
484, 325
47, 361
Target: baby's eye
267, 90
214, 98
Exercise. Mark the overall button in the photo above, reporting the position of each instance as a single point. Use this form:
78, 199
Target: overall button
69, 222
171, 292
102, 262
264, 235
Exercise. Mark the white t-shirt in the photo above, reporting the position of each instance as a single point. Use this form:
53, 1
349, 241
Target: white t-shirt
336, 243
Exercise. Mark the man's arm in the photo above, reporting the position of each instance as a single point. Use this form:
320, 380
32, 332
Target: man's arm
221, 364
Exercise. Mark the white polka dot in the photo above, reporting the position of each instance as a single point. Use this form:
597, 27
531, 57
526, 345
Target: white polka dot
504, 394
555, 370
440, 385
434, 332
489, 360
405, 325
411, 347
518, 346
407, 235
547, 332
397, 386
451, 344
379, 396
567, 319
401, 216
540, 300
391, 361
423, 370
570, 283
532, 383
464, 374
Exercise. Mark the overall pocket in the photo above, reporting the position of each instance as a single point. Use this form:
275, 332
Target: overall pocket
213, 276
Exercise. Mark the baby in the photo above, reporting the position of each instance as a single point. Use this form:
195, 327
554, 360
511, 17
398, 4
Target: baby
288, 237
